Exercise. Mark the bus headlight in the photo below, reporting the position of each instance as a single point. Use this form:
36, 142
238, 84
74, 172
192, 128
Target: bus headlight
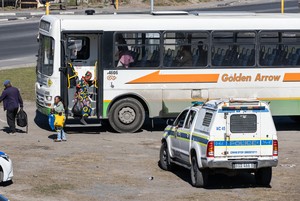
49, 98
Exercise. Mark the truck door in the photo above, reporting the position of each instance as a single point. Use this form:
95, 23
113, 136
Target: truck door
81, 86
242, 136
177, 130
185, 135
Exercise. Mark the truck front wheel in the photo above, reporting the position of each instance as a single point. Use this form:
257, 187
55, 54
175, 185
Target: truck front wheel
164, 157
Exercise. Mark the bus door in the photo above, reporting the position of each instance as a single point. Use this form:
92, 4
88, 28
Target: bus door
80, 89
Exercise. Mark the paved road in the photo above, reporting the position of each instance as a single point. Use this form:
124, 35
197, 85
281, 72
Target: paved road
18, 43
290, 6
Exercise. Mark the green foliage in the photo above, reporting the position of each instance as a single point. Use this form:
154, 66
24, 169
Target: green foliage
22, 78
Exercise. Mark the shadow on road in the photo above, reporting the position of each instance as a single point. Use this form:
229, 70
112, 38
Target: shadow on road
282, 123
221, 181
150, 125
286, 123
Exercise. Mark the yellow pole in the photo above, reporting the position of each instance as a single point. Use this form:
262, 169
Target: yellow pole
47, 7
282, 6
117, 4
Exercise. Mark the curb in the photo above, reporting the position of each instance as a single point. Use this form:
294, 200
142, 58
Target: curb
26, 15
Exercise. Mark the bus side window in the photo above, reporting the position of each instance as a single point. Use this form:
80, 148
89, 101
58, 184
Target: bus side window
79, 48
83, 54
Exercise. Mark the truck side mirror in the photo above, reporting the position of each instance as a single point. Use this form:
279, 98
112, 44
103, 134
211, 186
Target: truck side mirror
170, 122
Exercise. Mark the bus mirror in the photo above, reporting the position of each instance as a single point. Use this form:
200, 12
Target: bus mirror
63, 69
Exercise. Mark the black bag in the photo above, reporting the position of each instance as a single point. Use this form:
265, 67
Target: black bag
21, 118
77, 108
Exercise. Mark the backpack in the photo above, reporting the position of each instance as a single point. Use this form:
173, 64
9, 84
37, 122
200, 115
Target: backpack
21, 118
59, 120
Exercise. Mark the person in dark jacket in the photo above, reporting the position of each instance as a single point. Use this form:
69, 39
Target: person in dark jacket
12, 100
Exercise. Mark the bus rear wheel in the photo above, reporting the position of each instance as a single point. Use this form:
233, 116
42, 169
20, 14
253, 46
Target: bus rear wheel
127, 115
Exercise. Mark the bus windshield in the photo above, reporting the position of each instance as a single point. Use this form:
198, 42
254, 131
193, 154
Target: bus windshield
46, 55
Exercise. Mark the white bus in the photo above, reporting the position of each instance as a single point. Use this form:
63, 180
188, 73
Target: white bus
170, 61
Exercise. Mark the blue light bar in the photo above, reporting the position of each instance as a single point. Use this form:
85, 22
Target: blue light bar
197, 103
243, 108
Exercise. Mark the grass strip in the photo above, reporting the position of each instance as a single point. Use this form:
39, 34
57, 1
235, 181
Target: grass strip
22, 78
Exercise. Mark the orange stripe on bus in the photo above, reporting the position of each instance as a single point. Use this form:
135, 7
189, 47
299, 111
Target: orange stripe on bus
176, 78
291, 77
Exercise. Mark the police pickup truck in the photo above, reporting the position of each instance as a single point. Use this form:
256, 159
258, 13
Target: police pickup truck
222, 136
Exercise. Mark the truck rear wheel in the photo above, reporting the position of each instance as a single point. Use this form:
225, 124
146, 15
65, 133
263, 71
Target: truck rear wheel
126, 115
199, 178
263, 176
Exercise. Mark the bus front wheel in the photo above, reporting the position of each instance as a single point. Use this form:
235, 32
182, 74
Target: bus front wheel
126, 115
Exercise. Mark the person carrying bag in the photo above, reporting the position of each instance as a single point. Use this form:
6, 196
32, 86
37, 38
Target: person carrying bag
22, 120
12, 100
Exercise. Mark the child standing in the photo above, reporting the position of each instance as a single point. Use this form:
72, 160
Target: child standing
59, 113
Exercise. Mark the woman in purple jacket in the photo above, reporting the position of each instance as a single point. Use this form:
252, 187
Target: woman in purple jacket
12, 100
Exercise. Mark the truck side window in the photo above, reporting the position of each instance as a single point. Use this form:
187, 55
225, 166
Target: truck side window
180, 120
189, 119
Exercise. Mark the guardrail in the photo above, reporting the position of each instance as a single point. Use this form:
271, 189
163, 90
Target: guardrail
61, 4
29, 2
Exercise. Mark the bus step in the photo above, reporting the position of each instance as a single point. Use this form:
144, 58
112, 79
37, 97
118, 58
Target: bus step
82, 125
89, 122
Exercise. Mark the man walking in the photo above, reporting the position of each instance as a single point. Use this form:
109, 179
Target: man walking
11, 101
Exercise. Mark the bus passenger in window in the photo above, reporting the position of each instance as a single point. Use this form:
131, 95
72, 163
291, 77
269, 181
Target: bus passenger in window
185, 57
83, 53
125, 59
202, 54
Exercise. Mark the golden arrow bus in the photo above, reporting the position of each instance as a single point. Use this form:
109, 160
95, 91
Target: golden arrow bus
145, 65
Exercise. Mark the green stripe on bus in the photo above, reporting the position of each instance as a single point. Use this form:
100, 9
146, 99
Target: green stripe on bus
285, 107
105, 107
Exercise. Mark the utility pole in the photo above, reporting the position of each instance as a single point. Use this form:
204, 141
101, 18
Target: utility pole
151, 6
47, 7
282, 6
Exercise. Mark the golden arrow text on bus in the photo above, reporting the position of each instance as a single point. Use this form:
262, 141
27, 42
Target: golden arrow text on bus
176, 78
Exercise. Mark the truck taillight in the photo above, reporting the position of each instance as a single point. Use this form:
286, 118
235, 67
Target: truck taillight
210, 151
275, 148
